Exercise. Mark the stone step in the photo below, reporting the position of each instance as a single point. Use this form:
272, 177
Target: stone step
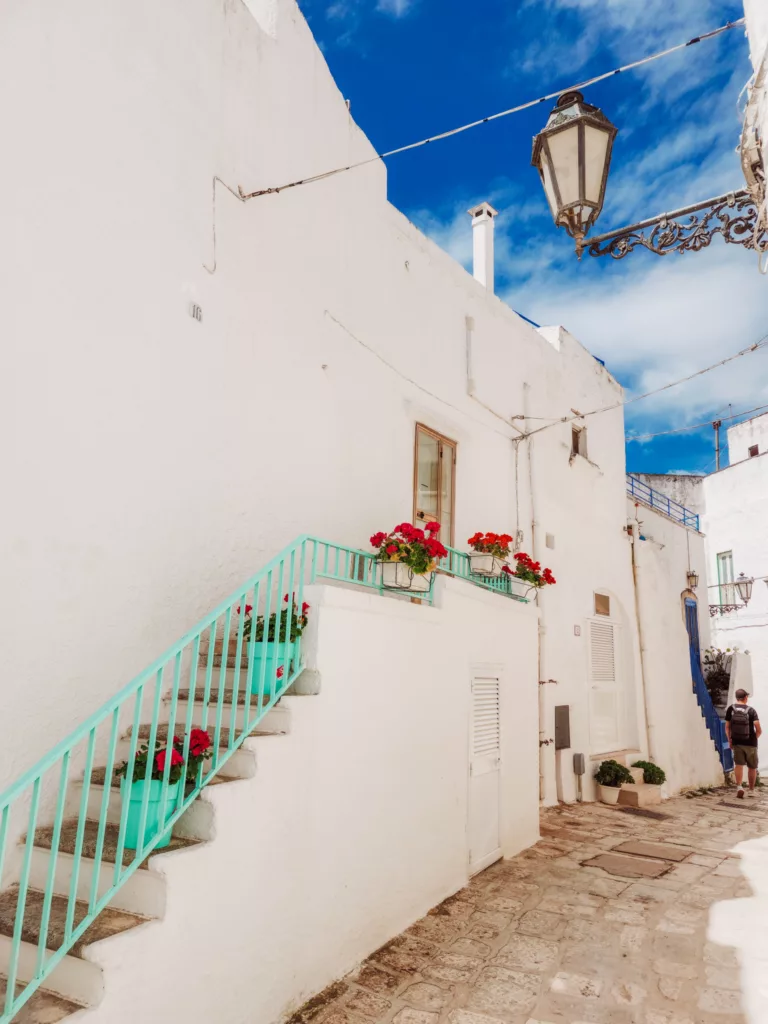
74, 977
143, 893
276, 720
42, 1008
195, 823
642, 795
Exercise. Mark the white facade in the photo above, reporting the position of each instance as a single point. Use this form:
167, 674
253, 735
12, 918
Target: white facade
356, 822
665, 551
160, 458
735, 521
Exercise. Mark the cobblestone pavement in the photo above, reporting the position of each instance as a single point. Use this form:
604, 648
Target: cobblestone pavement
590, 926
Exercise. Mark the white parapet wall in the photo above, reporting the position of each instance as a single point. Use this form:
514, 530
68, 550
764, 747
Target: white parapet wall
356, 822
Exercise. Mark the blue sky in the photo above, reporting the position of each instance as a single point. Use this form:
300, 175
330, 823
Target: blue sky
412, 68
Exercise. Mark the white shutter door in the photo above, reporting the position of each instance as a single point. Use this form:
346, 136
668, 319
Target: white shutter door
485, 774
605, 695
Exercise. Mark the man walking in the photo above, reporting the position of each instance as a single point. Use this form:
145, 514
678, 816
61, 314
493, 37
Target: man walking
743, 729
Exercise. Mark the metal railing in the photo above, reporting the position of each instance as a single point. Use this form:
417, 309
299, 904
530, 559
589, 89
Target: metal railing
222, 677
661, 503
458, 564
714, 723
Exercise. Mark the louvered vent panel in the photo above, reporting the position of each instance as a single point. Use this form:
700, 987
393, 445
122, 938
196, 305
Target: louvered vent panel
603, 652
485, 717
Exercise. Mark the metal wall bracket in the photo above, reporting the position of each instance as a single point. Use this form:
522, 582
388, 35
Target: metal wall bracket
733, 215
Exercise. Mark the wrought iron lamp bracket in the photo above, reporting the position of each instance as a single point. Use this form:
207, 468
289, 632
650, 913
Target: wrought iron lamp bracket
733, 215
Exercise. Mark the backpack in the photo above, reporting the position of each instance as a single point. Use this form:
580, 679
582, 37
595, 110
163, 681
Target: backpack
740, 723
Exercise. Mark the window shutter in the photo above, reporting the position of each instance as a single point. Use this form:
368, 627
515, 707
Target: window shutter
603, 650
486, 733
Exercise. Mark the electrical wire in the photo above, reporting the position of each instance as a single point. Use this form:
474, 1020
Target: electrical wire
494, 117
656, 391
693, 426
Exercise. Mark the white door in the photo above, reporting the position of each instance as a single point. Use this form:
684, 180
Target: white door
484, 775
605, 698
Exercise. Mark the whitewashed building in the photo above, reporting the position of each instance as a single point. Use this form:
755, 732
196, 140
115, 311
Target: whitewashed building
195, 380
736, 500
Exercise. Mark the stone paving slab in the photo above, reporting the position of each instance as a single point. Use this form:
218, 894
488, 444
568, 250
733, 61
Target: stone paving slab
552, 937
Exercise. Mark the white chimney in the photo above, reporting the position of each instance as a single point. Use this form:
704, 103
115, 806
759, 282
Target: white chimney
482, 243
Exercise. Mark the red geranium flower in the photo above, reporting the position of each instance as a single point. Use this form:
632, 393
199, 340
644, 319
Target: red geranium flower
199, 742
432, 527
176, 758
304, 608
248, 610
378, 539
280, 672
392, 549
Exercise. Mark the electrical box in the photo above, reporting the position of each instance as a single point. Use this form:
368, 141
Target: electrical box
579, 766
562, 727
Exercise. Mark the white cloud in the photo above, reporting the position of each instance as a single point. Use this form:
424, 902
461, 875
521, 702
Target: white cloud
397, 8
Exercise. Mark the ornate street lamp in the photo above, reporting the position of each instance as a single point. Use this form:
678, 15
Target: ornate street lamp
744, 587
572, 155
693, 579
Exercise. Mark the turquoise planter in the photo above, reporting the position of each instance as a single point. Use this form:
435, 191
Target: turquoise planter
153, 824
274, 654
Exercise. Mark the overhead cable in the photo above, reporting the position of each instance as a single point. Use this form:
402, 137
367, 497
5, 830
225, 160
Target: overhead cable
647, 394
495, 117
693, 426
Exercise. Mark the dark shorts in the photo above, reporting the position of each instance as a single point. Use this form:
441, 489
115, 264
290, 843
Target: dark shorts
745, 756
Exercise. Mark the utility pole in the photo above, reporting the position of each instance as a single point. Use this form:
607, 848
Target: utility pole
717, 424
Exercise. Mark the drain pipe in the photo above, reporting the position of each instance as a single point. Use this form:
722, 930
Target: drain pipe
544, 740
634, 533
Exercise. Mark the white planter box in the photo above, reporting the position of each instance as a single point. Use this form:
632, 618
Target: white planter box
638, 774
482, 564
609, 794
397, 576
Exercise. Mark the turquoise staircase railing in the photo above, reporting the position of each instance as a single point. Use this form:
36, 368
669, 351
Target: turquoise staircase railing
186, 686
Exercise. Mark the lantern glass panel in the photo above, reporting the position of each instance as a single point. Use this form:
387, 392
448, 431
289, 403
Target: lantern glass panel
564, 147
595, 158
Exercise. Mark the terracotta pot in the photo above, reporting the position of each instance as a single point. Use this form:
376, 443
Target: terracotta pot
609, 794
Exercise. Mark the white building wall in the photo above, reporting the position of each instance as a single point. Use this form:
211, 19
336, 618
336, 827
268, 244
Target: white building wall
678, 739
735, 520
356, 822
746, 435
159, 460
756, 13
686, 490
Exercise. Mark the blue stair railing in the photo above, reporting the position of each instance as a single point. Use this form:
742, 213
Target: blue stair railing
661, 502
186, 686
714, 723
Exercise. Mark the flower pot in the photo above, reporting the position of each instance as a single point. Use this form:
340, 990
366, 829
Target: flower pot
153, 824
609, 794
482, 564
274, 654
638, 774
398, 576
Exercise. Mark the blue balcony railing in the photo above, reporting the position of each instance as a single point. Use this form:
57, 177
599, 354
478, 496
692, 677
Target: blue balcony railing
661, 503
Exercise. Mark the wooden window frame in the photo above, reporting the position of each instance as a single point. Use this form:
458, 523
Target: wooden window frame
602, 615
441, 440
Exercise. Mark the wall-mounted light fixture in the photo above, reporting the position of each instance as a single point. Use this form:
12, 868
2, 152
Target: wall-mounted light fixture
693, 579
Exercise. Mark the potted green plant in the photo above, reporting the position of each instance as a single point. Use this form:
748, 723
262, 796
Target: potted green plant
610, 777
489, 553
147, 784
275, 640
652, 775
408, 556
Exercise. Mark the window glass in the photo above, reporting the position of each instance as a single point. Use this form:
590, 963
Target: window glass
725, 577
435, 481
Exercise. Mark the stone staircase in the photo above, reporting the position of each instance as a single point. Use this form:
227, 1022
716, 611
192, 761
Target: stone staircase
77, 982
